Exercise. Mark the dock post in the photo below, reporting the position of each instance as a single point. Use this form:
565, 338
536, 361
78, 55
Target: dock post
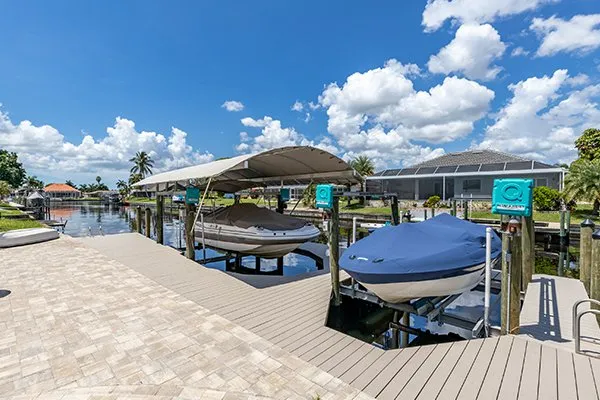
354, 220
280, 266
567, 238
453, 212
432, 212
515, 285
138, 219
190, 251
425, 215
257, 264
404, 334
528, 245
585, 253
395, 213
595, 270
148, 215
563, 242
160, 209
466, 210
334, 250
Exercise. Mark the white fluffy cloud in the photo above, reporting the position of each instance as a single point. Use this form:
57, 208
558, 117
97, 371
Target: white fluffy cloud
471, 52
542, 120
44, 148
233, 105
297, 106
380, 114
438, 11
273, 135
581, 33
519, 51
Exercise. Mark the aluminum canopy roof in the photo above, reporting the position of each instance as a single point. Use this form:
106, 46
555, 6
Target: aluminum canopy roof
295, 165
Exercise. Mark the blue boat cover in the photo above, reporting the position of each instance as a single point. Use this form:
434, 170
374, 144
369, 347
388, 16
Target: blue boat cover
437, 248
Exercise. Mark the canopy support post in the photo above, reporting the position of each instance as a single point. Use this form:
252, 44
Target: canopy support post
160, 209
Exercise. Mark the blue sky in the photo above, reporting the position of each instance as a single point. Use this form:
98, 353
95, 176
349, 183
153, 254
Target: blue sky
71, 68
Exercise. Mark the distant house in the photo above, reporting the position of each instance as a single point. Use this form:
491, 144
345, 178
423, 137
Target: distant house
61, 191
467, 174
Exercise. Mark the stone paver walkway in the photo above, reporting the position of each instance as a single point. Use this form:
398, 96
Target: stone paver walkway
79, 325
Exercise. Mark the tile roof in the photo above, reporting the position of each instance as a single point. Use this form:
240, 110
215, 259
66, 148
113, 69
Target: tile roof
59, 187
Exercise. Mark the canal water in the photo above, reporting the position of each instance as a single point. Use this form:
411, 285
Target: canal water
93, 219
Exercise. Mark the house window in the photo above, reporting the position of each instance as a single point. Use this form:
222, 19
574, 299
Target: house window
541, 182
472, 185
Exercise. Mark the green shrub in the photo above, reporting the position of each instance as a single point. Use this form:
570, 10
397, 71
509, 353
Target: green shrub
546, 199
432, 201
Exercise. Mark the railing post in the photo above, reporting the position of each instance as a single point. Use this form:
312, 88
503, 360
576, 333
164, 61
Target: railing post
585, 253
453, 207
395, 212
190, 240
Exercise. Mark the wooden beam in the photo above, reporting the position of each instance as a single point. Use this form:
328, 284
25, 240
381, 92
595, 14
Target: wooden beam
190, 251
148, 221
528, 245
160, 211
334, 249
585, 250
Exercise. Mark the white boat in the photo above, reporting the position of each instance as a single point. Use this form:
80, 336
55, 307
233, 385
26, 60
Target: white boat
438, 257
248, 229
21, 237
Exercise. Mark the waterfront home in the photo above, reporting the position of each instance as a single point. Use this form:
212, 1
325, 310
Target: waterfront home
56, 191
467, 174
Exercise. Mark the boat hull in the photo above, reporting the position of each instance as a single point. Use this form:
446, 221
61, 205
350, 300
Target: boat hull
254, 241
22, 237
398, 292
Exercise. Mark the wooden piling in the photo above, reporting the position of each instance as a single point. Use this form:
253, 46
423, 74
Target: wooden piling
138, 219
432, 212
563, 242
160, 210
595, 269
257, 264
334, 248
466, 210
404, 334
425, 214
528, 246
148, 221
453, 212
395, 212
585, 253
504, 285
515, 285
190, 251
280, 266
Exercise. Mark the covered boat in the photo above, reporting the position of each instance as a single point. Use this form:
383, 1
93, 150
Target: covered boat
440, 256
248, 229
22, 237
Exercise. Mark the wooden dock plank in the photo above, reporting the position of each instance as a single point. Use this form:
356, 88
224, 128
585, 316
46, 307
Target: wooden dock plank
438, 378
548, 388
567, 387
530, 378
383, 378
360, 366
586, 387
409, 387
509, 388
382, 363
348, 362
339, 347
493, 378
454, 383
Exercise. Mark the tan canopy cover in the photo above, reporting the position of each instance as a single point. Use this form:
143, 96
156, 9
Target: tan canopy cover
296, 165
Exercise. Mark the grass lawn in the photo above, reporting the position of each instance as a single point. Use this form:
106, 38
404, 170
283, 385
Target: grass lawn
10, 224
545, 216
9, 211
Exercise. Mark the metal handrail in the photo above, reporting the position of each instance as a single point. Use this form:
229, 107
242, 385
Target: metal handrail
576, 306
577, 322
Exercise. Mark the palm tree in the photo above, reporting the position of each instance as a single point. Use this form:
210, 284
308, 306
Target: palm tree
123, 187
583, 182
365, 167
142, 164
98, 179
33, 182
70, 183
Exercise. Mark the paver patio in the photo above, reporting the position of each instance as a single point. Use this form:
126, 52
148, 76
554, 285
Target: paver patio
79, 325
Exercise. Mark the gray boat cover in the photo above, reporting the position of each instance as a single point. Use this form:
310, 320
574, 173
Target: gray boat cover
245, 215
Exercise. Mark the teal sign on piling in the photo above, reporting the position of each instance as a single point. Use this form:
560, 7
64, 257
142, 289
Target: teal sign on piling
324, 196
512, 197
285, 194
192, 195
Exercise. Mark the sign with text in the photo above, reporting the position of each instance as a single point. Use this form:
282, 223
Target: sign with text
324, 196
512, 197
192, 195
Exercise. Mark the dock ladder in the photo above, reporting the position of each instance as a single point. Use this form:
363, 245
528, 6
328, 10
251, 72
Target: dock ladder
577, 320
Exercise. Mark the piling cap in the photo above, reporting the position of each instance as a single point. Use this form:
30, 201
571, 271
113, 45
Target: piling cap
596, 234
588, 223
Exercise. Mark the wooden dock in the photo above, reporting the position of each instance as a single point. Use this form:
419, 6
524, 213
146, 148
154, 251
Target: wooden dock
547, 314
291, 314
